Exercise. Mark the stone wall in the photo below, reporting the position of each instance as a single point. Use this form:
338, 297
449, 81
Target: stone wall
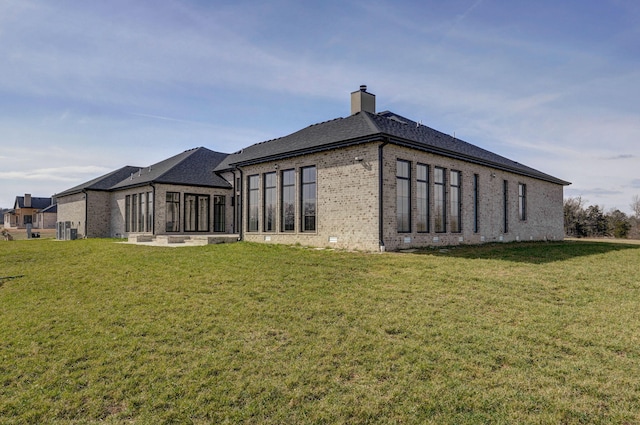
347, 193
544, 202
348, 209
72, 209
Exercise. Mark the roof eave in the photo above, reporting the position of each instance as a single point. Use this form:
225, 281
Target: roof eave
474, 160
305, 151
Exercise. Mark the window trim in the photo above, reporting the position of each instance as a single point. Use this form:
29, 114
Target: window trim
177, 210
219, 217
265, 190
197, 219
426, 200
283, 210
407, 180
253, 226
443, 187
305, 184
505, 200
522, 201
476, 203
458, 209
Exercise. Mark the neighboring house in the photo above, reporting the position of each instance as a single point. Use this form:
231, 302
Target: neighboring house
136, 200
377, 181
31, 210
46, 218
370, 181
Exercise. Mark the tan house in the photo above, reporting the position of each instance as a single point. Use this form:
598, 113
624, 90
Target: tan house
39, 212
371, 181
148, 200
380, 181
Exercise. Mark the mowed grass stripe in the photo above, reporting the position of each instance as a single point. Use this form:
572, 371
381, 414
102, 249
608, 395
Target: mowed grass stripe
101, 332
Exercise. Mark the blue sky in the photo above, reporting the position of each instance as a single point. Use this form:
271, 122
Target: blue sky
88, 87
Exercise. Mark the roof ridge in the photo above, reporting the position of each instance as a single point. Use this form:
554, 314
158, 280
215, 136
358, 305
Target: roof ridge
191, 152
371, 123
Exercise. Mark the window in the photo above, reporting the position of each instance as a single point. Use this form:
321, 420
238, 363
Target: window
440, 200
476, 203
218, 213
422, 197
288, 208
308, 206
456, 201
269, 209
505, 206
134, 213
127, 213
252, 203
141, 212
196, 213
403, 195
173, 212
522, 201
149, 212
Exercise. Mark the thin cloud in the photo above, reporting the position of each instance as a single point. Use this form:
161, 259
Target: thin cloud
60, 174
622, 156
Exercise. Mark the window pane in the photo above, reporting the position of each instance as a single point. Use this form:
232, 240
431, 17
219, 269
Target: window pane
252, 205
422, 198
440, 201
127, 213
522, 201
269, 202
403, 196
455, 201
309, 199
189, 213
218, 213
173, 212
203, 213
288, 201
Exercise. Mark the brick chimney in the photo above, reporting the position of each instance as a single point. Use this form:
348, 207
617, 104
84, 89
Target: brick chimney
363, 101
27, 200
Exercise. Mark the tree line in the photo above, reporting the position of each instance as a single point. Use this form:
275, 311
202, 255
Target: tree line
591, 221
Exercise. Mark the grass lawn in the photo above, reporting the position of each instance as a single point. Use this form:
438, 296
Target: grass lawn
100, 332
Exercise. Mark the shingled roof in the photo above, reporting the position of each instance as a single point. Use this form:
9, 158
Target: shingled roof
193, 167
364, 127
36, 203
104, 182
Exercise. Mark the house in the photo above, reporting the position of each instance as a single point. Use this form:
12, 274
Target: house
371, 181
39, 212
127, 201
380, 181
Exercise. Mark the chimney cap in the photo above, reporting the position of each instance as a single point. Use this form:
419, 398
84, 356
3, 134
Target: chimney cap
363, 87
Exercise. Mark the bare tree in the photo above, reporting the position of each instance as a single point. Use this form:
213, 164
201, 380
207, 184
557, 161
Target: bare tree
635, 206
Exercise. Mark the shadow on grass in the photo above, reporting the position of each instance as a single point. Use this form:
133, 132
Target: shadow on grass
530, 252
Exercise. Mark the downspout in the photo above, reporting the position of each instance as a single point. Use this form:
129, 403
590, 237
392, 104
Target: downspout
153, 222
239, 202
86, 213
380, 195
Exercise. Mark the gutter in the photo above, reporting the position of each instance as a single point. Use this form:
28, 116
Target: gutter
380, 195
